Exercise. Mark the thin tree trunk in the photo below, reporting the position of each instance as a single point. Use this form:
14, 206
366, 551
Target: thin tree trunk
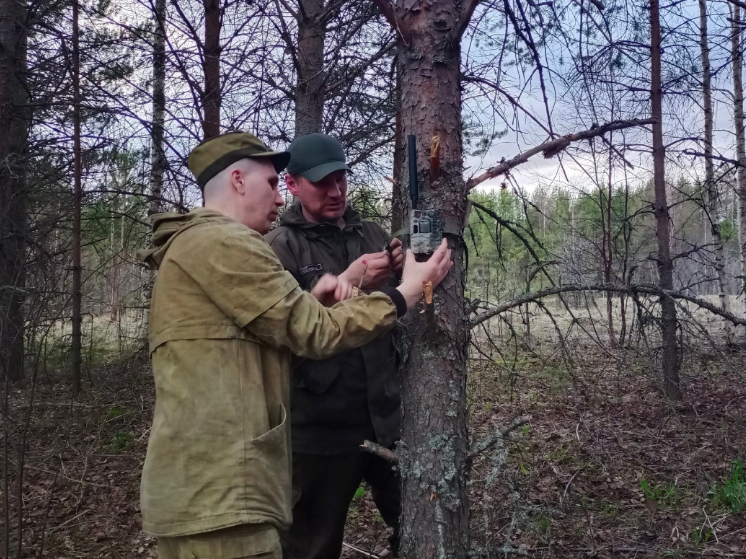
77, 195
670, 360
211, 98
607, 250
309, 93
13, 220
711, 189
434, 465
737, 55
157, 155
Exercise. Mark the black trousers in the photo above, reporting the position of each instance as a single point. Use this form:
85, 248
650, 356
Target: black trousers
323, 488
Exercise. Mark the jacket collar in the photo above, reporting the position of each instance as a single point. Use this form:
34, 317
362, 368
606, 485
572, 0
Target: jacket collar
293, 217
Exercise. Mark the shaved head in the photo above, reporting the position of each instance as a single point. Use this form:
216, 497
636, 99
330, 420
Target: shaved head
246, 191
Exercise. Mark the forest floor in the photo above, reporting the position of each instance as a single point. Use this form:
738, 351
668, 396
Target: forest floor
605, 468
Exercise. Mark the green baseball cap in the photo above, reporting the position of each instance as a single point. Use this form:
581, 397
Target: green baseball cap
216, 154
316, 155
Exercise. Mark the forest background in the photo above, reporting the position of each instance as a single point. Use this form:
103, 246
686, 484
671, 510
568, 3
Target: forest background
591, 168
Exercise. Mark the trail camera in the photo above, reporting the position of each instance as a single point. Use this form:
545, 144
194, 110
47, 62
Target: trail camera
425, 231
425, 226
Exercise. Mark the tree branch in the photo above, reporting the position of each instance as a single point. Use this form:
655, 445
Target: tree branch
467, 11
491, 441
645, 289
387, 10
553, 147
380, 451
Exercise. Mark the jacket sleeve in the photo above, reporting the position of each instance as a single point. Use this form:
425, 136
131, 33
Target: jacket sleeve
244, 278
308, 329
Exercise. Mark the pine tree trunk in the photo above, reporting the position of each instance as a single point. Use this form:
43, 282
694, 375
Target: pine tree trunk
75, 349
13, 219
309, 92
211, 98
670, 359
737, 55
711, 189
157, 154
433, 457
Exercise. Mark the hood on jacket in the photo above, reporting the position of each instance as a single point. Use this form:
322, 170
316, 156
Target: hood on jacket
167, 226
293, 217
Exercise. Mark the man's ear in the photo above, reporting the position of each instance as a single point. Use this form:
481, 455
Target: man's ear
291, 184
237, 181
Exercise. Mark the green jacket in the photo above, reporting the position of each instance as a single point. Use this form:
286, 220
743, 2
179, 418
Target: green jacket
225, 317
341, 401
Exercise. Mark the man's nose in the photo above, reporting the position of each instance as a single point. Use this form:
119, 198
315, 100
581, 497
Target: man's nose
279, 200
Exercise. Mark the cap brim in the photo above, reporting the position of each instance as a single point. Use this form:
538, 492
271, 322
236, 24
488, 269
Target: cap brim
280, 159
315, 174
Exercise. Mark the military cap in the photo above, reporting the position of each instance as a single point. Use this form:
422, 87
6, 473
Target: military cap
216, 154
314, 156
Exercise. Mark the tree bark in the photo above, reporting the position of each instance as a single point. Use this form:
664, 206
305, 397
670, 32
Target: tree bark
309, 92
737, 55
157, 154
13, 219
211, 97
75, 348
434, 449
711, 189
670, 357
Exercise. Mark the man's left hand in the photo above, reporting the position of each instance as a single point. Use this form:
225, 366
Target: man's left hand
397, 256
330, 290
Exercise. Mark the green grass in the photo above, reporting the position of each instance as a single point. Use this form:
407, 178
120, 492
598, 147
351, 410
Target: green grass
667, 495
122, 441
731, 494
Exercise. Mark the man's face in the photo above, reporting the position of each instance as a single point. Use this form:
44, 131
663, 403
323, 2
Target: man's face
323, 201
260, 200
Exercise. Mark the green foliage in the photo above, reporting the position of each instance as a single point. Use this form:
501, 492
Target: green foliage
359, 494
731, 494
122, 441
667, 495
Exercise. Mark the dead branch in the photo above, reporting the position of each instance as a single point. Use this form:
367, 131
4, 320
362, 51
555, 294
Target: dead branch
491, 441
553, 147
380, 451
645, 289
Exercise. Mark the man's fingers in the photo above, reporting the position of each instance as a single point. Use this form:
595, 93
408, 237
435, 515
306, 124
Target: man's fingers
395, 242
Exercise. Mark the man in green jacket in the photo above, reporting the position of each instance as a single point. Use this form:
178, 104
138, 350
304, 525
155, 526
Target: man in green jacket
339, 402
225, 317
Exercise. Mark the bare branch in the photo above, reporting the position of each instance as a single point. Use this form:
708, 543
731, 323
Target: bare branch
645, 289
491, 441
553, 147
380, 451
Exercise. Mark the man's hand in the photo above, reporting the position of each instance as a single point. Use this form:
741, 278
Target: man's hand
416, 273
375, 267
396, 256
330, 290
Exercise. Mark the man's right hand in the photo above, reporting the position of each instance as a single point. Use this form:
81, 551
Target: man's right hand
416, 273
377, 273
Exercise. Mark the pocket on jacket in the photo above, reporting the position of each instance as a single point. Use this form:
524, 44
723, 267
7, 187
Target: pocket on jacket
237, 542
316, 376
267, 482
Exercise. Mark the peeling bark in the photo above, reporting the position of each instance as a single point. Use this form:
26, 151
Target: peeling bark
434, 448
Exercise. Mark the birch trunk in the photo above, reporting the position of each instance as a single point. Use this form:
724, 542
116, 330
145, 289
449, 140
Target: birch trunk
711, 189
737, 55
